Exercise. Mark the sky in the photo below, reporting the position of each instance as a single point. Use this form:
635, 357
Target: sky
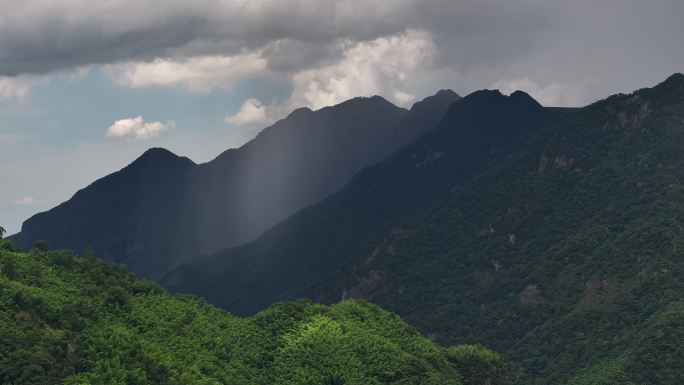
86, 86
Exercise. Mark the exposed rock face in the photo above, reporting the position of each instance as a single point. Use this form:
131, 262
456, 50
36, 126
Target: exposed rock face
531, 295
363, 286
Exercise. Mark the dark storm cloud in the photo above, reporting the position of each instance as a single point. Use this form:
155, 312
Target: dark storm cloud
598, 43
41, 36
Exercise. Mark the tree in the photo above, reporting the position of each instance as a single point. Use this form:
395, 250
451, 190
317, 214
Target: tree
41, 245
2, 232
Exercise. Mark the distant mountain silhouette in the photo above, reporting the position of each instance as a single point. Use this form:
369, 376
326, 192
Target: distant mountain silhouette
563, 252
163, 208
284, 261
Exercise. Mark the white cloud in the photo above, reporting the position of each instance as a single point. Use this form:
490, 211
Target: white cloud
251, 112
136, 128
42, 36
18, 87
386, 66
26, 201
383, 66
196, 74
553, 94
380, 66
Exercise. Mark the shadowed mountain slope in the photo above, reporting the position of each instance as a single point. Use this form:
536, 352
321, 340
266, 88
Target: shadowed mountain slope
163, 208
566, 255
284, 261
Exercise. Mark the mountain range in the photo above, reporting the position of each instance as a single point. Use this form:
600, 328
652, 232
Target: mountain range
284, 261
551, 235
162, 209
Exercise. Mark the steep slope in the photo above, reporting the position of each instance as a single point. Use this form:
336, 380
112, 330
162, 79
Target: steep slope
280, 172
162, 207
125, 215
566, 256
73, 320
284, 261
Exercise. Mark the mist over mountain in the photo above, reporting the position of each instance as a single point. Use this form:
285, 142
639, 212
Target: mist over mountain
331, 212
550, 234
565, 255
283, 262
163, 208
562, 252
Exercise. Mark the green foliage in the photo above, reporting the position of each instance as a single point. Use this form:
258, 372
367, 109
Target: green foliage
286, 260
566, 256
75, 320
478, 365
6, 245
41, 245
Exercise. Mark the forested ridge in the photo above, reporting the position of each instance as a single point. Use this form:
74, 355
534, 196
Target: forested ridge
563, 254
68, 319
566, 256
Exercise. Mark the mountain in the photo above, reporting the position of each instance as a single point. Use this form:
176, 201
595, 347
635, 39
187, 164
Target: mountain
299, 161
67, 319
126, 214
283, 262
163, 208
565, 255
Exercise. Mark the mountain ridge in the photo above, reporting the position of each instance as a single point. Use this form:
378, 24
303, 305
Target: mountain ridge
564, 255
69, 319
171, 207
266, 270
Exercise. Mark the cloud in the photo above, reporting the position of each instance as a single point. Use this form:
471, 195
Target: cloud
251, 112
18, 87
26, 201
188, 44
384, 66
380, 66
137, 129
43, 36
553, 94
197, 74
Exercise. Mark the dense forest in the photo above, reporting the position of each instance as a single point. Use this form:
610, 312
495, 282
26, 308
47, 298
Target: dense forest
551, 236
68, 319
566, 256
563, 254
352, 192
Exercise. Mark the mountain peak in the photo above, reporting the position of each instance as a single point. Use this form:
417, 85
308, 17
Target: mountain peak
483, 97
673, 84
446, 93
483, 102
524, 97
159, 155
299, 112
158, 152
365, 100
495, 96
442, 99
676, 77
